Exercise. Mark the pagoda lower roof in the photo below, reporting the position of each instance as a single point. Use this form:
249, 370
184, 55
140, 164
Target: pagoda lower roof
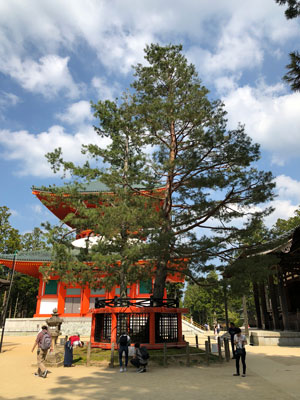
27, 262
37, 255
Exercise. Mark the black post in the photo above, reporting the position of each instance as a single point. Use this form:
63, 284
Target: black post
88, 354
207, 351
112, 355
187, 354
225, 303
7, 299
165, 354
227, 351
219, 348
197, 342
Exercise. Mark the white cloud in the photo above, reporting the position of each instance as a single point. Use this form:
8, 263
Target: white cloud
287, 200
14, 213
37, 208
48, 76
283, 209
104, 89
77, 113
288, 188
7, 100
118, 30
271, 117
233, 54
18, 145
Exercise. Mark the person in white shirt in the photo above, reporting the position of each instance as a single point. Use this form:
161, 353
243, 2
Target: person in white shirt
240, 352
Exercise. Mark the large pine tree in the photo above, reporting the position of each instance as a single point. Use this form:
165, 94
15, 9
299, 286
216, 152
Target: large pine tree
178, 140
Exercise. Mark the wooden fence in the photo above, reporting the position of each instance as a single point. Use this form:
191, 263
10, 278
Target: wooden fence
186, 356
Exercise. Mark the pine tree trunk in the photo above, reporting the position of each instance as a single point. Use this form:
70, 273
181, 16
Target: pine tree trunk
161, 271
16, 306
123, 282
160, 281
257, 304
245, 312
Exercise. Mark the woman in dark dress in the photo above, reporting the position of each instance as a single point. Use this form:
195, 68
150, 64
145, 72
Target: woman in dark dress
68, 359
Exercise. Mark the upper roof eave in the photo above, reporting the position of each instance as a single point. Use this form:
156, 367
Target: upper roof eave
92, 187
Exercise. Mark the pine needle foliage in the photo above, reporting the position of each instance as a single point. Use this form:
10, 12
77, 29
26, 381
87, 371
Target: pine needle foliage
166, 132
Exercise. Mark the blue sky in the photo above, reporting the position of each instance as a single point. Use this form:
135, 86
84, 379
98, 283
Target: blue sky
57, 55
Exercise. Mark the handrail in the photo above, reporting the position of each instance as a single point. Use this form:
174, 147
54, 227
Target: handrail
189, 320
137, 302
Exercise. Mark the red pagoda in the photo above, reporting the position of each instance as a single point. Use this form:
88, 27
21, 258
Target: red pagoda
152, 323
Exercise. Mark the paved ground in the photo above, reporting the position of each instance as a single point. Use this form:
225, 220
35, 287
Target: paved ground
272, 373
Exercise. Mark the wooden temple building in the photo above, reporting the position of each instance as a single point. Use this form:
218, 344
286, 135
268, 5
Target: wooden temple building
150, 323
277, 298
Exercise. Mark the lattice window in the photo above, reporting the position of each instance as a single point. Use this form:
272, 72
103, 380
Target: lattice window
166, 328
122, 324
139, 328
102, 328
135, 325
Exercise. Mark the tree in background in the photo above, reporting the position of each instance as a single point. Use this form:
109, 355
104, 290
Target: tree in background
34, 240
206, 302
10, 240
292, 77
178, 140
293, 9
284, 225
25, 288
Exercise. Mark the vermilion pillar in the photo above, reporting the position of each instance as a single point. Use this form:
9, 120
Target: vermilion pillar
61, 299
179, 327
39, 298
113, 328
85, 301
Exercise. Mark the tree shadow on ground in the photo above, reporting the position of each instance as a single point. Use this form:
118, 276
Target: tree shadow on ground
9, 346
160, 383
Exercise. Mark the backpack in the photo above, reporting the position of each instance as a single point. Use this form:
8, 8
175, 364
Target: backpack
46, 341
144, 353
123, 340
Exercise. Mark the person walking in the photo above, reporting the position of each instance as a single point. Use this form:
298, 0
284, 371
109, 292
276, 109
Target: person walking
232, 331
216, 332
124, 342
44, 343
240, 352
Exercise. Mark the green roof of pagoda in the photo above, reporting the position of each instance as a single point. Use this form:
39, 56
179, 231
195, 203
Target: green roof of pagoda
91, 187
37, 255
34, 255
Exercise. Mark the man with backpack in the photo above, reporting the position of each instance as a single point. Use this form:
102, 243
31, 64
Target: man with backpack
140, 360
44, 343
124, 342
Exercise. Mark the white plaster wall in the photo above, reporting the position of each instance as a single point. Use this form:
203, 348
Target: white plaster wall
47, 306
